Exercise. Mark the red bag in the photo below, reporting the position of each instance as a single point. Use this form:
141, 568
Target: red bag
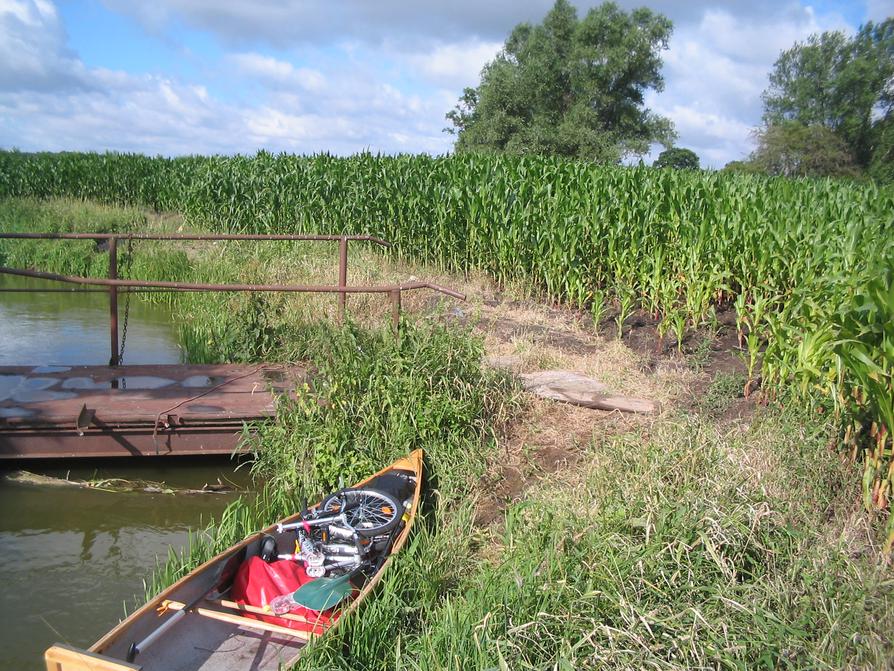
257, 583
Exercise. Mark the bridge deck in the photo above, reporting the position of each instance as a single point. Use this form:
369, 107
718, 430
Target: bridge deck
75, 411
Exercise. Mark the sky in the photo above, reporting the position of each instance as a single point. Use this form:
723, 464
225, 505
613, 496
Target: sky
175, 77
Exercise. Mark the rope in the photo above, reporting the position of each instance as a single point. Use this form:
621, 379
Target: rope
197, 396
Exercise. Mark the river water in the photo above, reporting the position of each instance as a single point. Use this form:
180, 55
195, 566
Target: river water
71, 559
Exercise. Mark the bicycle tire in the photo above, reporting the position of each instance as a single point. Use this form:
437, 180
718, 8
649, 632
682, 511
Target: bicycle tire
371, 512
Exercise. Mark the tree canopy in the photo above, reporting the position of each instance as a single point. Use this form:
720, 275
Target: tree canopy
677, 158
840, 83
570, 87
794, 149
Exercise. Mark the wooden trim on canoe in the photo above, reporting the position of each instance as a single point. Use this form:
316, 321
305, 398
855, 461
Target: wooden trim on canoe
64, 657
245, 608
242, 621
412, 462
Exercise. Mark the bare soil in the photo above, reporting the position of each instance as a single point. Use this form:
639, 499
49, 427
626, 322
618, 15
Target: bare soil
551, 436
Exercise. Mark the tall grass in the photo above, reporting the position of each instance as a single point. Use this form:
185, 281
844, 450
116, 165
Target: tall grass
792, 257
374, 398
669, 553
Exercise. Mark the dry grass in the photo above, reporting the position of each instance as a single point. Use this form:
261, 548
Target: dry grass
541, 337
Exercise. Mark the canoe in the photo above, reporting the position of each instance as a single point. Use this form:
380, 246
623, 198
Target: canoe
215, 630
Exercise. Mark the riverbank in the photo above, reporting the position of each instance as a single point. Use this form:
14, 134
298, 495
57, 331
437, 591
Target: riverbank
719, 533
79, 539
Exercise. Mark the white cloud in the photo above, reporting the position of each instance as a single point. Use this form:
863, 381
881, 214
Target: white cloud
716, 70
32, 51
268, 125
273, 70
49, 100
256, 64
454, 66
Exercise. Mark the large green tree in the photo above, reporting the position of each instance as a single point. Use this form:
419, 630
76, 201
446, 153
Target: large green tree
841, 83
570, 87
794, 149
677, 158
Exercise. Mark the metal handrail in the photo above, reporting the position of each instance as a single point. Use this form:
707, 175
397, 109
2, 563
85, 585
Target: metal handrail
187, 286
113, 283
193, 236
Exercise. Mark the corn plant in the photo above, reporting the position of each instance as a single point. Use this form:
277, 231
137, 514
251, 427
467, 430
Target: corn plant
792, 256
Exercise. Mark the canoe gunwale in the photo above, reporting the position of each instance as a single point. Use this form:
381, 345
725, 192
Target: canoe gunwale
412, 462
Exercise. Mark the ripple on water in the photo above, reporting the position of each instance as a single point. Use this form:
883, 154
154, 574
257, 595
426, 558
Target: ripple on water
38, 395
83, 383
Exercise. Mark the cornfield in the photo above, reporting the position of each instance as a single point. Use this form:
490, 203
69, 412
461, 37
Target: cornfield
807, 265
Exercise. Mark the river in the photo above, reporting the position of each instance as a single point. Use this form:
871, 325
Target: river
72, 559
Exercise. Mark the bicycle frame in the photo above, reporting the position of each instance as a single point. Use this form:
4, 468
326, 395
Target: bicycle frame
316, 522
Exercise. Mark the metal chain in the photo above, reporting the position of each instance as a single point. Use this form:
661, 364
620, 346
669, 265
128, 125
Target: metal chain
126, 300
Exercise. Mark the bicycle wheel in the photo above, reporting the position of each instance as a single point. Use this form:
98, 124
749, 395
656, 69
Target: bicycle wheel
369, 511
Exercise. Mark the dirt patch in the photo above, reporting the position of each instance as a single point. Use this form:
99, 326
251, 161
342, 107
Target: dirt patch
640, 334
552, 458
740, 410
549, 438
552, 437
509, 330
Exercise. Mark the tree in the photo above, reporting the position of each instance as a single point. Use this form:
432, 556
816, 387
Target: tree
743, 167
882, 166
570, 87
793, 149
840, 83
678, 159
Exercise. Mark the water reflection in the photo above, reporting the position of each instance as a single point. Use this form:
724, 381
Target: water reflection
49, 330
73, 557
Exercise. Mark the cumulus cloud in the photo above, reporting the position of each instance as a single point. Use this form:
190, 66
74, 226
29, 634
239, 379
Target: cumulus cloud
453, 66
278, 72
717, 68
346, 76
49, 100
32, 52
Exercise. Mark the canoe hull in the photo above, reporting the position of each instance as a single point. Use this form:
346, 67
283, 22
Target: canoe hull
224, 639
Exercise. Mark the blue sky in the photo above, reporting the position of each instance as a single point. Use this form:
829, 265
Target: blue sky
224, 76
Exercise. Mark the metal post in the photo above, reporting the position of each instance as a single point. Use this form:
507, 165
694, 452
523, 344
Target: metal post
342, 277
395, 311
113, 300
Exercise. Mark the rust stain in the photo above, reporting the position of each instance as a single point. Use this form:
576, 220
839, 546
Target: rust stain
200, 408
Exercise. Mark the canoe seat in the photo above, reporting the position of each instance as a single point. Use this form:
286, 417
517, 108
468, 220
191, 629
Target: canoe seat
242, 621
66, 658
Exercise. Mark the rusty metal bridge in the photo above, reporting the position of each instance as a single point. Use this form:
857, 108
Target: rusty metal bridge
126, 410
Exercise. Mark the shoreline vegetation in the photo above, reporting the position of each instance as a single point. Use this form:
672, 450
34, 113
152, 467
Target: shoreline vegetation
692, 539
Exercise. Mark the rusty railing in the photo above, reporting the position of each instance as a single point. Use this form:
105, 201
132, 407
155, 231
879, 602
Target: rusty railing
114, 283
